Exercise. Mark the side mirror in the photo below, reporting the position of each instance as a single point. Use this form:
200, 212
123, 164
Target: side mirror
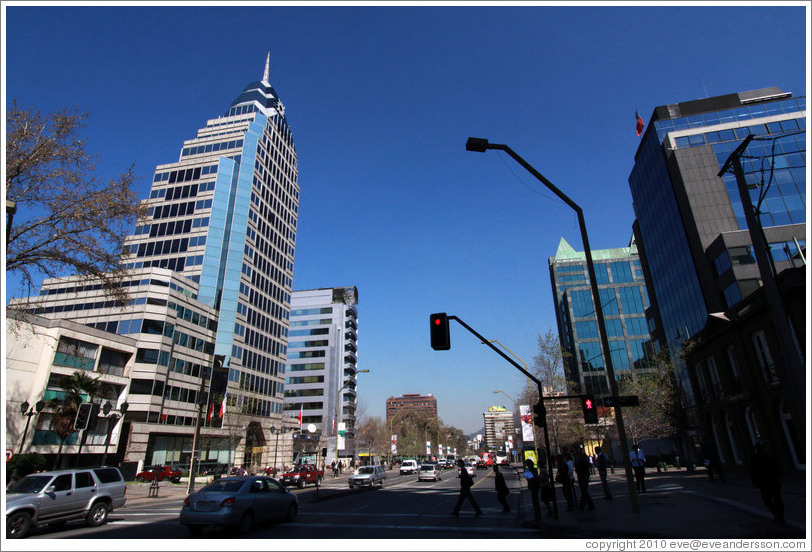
50, 489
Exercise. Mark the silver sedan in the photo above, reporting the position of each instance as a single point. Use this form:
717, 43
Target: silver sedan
238, 502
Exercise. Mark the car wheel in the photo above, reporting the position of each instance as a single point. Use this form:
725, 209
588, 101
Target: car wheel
140, 479
18, 525
97, 515
195, 529
302, 483
380, 486
175, 480
290, 515
246, 523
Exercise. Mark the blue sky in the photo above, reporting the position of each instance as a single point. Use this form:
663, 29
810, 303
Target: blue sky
381, 100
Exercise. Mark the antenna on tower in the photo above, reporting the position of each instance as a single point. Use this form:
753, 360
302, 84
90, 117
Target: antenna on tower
267, 68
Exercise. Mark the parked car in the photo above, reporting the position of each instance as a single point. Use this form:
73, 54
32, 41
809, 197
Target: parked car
429, 472
54, 498
408, 466
367, 476
239, 502
160, 473
302, 475
469, 467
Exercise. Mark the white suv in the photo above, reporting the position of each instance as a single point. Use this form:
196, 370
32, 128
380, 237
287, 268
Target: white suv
408, 466
368, 476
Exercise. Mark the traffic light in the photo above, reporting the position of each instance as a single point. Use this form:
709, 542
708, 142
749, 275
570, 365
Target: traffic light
440, 336
540, 411
590, 409
82, 416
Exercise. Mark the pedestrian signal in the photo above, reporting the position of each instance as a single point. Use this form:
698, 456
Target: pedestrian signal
440, 336
590, 409
540, 414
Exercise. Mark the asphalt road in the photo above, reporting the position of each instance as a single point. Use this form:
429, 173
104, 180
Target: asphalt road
404, 509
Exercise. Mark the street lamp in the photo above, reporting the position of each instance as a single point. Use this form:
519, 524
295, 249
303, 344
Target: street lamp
24, 410
338, 404
481, 145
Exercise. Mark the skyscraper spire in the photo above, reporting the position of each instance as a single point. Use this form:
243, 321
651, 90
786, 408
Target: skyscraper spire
267, 68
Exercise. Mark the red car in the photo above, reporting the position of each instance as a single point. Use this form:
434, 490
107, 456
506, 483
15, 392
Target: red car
160, 473
300, 476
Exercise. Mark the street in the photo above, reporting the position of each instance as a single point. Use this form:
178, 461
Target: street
678, 505
403, 509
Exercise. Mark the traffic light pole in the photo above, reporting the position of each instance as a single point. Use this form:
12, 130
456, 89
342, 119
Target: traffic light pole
482, 144
541, 401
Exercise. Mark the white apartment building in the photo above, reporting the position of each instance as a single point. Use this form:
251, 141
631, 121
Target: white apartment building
322, 359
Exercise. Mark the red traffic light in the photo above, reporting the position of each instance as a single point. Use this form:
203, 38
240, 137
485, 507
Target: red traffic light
440, 336
590, 412
588, 404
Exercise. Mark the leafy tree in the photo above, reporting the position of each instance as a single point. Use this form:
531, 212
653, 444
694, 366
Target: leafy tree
66, 220
25, 464
659, 403
74, 389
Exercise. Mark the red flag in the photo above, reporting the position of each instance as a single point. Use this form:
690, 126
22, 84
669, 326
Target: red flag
639, 122
300, 417
211, 410
223, 405
163, 417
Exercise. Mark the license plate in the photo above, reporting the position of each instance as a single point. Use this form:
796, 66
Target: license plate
205, 505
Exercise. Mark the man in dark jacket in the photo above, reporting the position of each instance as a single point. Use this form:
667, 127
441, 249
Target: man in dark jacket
765, 472
501, 488
466, 482
534, 486
582, 470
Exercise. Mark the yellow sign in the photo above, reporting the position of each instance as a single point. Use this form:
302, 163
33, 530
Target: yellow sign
497, 409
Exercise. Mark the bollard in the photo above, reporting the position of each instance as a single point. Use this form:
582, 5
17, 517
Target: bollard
153, 489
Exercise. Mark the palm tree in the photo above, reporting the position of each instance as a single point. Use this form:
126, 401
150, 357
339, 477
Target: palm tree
65, 408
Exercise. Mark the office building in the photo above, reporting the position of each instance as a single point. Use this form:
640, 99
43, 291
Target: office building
209, 271
323, 358
499, 428
414, 402
624, 299
690, 227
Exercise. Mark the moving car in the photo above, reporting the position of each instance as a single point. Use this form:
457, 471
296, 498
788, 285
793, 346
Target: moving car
408, 466
239, 502
160, 473
302, 475
429, 472
54, 498
469, 467
367, 476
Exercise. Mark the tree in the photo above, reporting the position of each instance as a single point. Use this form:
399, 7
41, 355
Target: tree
74, 389
66, 220
659, 403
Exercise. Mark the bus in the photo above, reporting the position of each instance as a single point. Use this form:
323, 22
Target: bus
502, 457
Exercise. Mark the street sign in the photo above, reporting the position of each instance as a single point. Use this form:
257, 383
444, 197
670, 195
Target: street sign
621, 400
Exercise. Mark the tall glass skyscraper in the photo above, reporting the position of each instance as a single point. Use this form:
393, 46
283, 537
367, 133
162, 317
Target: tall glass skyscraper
690, 227
624, 299
210, 272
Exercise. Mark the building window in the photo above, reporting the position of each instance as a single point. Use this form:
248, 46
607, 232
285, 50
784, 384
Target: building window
764, 357
734, 369
714, 376
75, 354
700, 378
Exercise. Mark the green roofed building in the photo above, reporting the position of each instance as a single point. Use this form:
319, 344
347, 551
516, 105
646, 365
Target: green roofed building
624, 299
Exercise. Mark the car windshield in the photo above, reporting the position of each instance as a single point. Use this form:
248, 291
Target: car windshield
223, 486
366, 469
30, 484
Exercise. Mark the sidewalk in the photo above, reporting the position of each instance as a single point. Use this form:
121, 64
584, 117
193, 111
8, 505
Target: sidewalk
679, 505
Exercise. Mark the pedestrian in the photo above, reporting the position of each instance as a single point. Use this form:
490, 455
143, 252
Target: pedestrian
601, 461
501, 489
638, 460
712, 463
533, 486
571, 471
765, 473
547, 494
340, 466
591, 465
334, 467
562, 476
675, 454
466, 482
241, 470
582, 468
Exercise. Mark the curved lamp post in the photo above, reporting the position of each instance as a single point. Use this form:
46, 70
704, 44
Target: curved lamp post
481, 145
111, 422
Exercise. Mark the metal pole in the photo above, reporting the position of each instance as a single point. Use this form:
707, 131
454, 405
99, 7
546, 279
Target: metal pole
192, 464
478, 144
25, 433
783, 332
541, 400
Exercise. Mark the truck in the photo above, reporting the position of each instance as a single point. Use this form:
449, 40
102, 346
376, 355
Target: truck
300, 476
159, 473
485, 461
